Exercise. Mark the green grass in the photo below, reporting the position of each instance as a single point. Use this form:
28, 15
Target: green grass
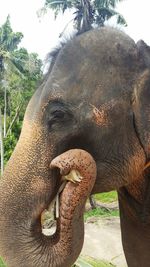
91, 262
106, 197
82, 262
101, 212
2, 263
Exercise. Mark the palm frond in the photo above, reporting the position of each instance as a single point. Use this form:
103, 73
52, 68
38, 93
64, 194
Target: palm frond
87, 12
121, 20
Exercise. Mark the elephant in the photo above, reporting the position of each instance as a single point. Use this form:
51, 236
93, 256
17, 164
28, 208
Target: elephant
95, 98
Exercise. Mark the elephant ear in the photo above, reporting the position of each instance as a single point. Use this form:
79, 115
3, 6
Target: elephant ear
144, 52
141, 99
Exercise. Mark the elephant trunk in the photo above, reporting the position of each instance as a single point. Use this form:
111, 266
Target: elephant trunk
62, 248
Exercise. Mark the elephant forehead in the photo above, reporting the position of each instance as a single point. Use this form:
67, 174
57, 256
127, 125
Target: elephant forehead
96, 64
95, 67
104, 44
90, 85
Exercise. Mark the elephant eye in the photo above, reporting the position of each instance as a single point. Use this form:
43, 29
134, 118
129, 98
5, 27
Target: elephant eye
59, 118
58, 114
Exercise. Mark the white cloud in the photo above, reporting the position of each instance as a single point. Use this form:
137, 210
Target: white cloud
137, 15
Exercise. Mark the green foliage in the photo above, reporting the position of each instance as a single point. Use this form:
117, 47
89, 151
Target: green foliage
11, 140
106, 197
87, 13
9, 145
101, 212
20, 73
82, 262
9, 40
59, 5
2, 263
85, 261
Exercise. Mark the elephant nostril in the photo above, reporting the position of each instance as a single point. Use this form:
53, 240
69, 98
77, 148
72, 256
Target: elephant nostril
55, 173
60, 166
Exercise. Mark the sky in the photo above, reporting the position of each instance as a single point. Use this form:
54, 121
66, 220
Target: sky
41, 34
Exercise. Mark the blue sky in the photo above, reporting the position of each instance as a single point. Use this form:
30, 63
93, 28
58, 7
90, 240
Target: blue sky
40, 35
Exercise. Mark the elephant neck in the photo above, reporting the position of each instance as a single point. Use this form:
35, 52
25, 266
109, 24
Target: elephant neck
134, 203
137, 190
135, 198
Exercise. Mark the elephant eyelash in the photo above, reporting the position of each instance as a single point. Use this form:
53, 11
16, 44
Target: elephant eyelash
59, 117
58, 114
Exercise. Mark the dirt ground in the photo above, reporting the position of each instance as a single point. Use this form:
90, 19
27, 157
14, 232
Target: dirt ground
103, 240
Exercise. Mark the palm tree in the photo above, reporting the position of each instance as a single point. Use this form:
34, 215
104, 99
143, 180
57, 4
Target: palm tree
19, 71
8, 61
105, 9
1, 145
87, 12
8, 45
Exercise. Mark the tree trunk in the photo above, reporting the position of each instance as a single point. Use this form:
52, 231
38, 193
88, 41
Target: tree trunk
5, 108
92, 202
1, 144
14, 119
87, 16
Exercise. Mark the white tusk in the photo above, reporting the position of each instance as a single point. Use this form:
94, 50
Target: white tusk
57, 206
73, 176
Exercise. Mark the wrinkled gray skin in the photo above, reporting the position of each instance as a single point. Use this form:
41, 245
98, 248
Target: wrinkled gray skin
97, 98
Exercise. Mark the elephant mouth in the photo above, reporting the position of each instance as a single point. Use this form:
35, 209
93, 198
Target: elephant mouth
50, 215
78, 174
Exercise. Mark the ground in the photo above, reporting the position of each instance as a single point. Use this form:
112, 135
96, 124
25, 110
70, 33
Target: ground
103, 240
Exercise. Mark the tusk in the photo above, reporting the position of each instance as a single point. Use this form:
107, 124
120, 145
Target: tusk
50, 207
57, 206
61, 188
57, 198
73, 176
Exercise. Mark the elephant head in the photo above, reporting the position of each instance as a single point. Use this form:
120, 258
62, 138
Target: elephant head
94, 98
